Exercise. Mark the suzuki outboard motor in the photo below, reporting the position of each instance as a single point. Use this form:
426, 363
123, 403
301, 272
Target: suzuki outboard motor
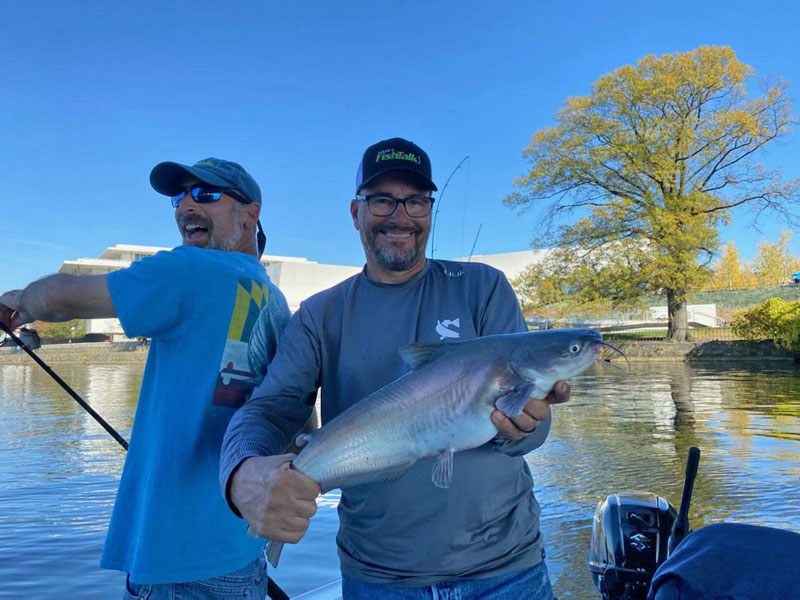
630, 535
633, 534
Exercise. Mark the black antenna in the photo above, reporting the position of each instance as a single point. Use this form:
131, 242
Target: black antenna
68, 389
680, 529
439, 204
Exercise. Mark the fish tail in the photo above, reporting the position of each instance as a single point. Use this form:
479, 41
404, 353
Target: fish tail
274, 552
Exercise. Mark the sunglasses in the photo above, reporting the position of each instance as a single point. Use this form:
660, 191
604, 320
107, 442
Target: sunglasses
204, 195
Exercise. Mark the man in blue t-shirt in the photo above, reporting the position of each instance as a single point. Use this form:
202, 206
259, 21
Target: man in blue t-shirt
201, 305
480, 537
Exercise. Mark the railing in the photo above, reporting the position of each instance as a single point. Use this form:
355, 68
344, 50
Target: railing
651, 332
694, 334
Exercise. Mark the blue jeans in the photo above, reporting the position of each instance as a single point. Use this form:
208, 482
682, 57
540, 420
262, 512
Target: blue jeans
530, 584
248, 583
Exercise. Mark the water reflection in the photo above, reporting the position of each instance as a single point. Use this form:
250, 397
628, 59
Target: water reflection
633, 432
59, 469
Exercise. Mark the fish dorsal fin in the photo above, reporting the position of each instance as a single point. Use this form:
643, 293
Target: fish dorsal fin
417, 355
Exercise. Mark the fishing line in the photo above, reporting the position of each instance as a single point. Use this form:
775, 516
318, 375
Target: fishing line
69, 390
439, 204
273, 589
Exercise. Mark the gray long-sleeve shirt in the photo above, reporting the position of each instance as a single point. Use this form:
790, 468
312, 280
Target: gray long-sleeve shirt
346, 340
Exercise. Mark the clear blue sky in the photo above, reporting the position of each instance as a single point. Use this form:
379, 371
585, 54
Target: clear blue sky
94, 94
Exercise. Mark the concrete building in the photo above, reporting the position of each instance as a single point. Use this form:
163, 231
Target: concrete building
510, 263
298, 278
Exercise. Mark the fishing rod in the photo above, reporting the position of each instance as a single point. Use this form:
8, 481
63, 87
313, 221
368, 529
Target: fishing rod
439, 204
69, 390
274, 591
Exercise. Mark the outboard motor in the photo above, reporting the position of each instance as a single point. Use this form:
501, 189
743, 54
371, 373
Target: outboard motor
633, 534
629, 541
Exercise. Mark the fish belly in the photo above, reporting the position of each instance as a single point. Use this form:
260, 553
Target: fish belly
386, 433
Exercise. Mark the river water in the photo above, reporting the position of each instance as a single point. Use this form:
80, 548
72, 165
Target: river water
59, 470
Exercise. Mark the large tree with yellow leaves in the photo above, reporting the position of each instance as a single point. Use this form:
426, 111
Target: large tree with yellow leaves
651, 163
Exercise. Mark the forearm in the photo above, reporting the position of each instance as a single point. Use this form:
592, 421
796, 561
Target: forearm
63, 297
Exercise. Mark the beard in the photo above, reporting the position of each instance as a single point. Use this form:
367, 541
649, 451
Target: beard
390, 257
227, 243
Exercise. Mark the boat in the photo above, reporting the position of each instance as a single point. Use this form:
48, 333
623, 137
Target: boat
643, 549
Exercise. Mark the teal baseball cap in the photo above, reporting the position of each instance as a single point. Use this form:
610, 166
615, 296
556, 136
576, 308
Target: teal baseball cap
171, 178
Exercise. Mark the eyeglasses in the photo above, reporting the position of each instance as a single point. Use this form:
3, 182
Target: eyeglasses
204, 195
383, 205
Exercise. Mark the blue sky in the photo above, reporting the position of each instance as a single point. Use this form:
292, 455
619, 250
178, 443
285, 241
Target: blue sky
93, 95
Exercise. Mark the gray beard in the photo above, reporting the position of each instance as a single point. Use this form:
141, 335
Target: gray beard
388, 259
227, 244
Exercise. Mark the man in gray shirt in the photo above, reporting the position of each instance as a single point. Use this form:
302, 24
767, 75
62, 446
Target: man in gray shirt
480, 538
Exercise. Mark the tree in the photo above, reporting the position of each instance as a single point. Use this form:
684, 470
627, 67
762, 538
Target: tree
774, 319
773, 264
728, 272
64, 330
653, 161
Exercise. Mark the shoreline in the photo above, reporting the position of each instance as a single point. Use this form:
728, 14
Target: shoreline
636, 351
84, 353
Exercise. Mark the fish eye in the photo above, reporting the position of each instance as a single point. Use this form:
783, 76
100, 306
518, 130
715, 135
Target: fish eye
575, 348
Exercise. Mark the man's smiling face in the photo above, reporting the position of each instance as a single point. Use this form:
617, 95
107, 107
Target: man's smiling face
215, 225
394, 245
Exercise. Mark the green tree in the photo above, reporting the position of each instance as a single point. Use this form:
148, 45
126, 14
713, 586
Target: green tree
774, 319
653, 161
64, 330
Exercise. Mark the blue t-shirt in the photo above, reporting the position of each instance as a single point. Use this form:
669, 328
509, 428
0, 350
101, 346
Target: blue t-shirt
203, 310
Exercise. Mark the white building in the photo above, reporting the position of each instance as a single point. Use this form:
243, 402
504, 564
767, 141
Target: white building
510, 263
297, 278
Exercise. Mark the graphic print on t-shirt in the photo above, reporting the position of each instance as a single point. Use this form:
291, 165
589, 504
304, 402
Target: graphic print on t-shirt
237, 377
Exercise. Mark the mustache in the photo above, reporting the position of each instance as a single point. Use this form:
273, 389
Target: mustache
186, 220
395, 229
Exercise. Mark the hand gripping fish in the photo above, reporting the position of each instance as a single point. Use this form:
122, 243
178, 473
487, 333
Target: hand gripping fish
443, 405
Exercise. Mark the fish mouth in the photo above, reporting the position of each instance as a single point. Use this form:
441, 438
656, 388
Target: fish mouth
607, 361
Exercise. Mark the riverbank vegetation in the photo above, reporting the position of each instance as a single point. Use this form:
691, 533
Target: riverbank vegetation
774, 319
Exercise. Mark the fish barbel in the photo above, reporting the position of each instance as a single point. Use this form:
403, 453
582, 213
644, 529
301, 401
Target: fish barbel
442, 405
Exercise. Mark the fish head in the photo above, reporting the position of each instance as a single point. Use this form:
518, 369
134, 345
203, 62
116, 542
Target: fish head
547, 356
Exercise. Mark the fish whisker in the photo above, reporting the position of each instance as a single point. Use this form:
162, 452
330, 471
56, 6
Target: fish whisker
618, 351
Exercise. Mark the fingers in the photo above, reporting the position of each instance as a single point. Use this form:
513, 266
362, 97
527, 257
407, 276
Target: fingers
515, 429
10, 312
535, 411
560, 393
275, 500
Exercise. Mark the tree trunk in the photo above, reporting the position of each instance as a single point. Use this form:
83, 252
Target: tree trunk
678, 329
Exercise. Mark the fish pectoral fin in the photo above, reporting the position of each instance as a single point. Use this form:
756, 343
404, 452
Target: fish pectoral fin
512, 403
274, 552
416, 355
442, 475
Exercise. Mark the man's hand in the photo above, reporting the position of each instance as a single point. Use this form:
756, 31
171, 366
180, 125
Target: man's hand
10, 310
535, 411
276, 501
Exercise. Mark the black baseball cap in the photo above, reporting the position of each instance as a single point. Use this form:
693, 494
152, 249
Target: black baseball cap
171, 178
395, 154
